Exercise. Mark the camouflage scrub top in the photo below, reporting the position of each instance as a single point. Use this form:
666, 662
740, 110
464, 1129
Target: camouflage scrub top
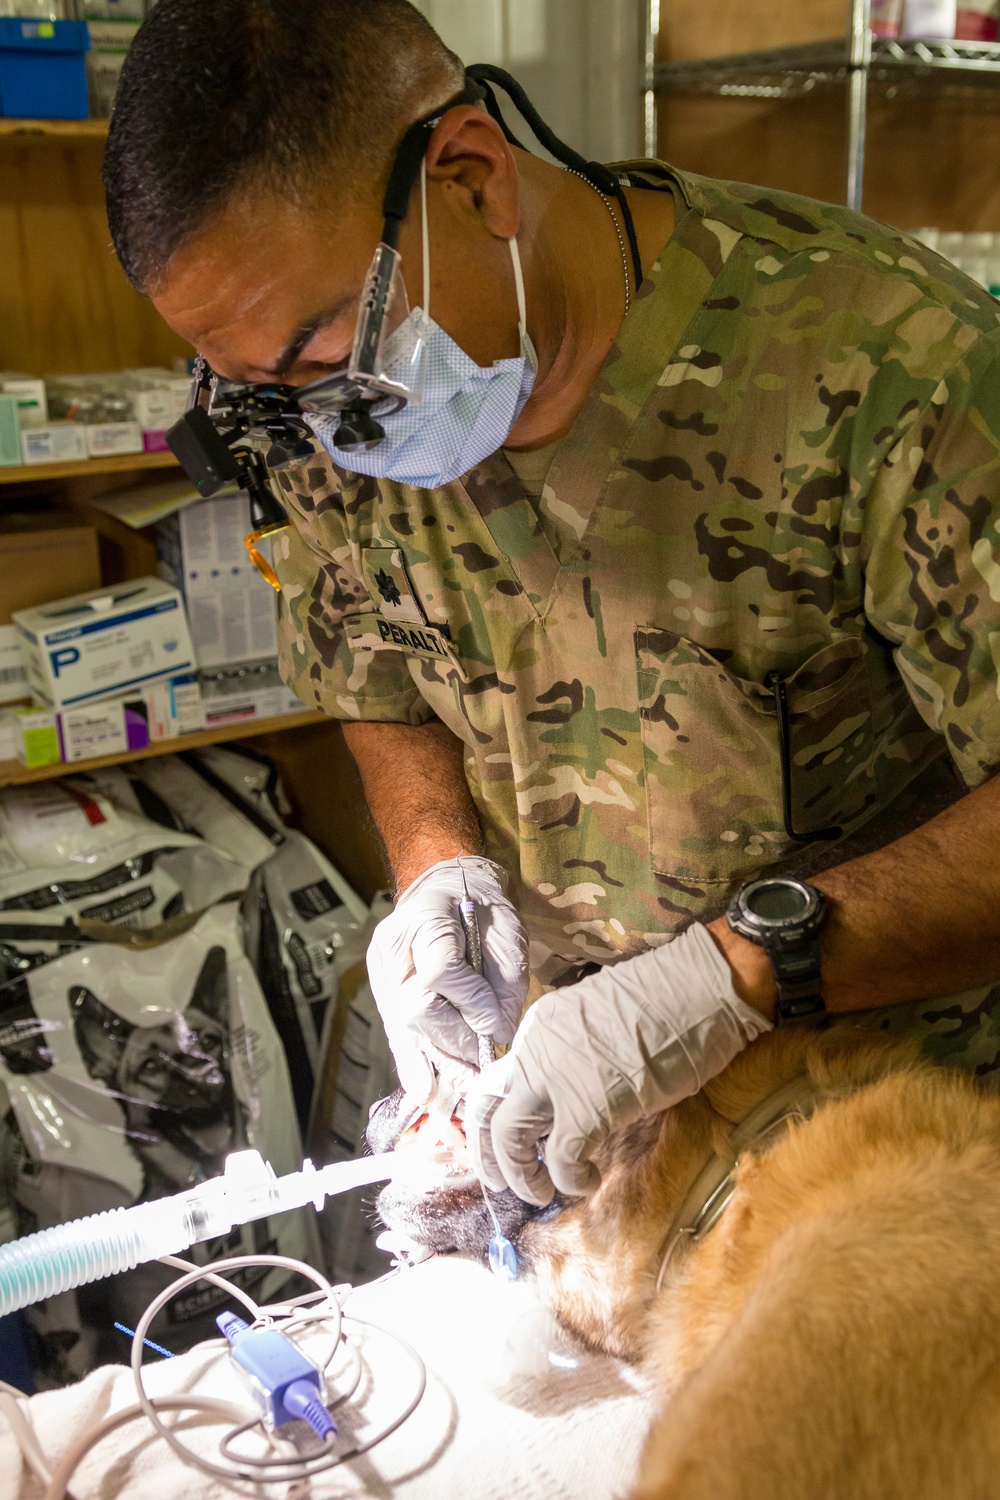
789, 463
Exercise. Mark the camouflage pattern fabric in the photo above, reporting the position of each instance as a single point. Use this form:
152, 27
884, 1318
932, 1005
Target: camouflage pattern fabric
790, 463
958, 1031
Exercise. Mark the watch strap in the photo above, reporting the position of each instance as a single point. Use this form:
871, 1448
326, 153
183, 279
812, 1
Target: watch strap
798, 980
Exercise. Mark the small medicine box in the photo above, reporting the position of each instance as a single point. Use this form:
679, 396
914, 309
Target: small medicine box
42, 69
100, 644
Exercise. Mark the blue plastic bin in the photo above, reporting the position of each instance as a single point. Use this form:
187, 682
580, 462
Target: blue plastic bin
42, 71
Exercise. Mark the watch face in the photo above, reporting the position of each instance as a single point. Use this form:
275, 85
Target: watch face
777, 901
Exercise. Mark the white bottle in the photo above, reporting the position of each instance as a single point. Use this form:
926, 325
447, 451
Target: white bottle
929, 18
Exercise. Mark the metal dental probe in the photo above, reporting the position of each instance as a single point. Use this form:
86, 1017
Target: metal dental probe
474, 956
502, 1255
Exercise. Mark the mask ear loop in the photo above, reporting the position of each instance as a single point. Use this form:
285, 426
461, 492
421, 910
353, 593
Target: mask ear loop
425, 238
425, 247
522, 315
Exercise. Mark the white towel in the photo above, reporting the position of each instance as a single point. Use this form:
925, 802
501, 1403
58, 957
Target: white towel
486, 1427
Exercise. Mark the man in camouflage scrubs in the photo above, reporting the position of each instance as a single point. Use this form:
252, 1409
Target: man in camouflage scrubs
788, 462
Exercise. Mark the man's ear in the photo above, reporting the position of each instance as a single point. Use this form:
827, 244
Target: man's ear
101, 1034
211, 989
469, 153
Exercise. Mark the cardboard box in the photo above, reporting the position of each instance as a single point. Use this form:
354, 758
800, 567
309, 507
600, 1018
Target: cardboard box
248, 707
103, 643
245, 694
154, 408
107, 439
10, 432
176, 386
13, 672
10, 734
231, 610
38, 738
110, 727
54, 443
174, 708
42, 557
29, 393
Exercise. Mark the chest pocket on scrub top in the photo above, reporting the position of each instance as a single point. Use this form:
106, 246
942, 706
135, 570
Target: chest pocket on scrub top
712, 756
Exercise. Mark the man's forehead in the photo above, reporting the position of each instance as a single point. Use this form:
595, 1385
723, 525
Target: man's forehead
260, 269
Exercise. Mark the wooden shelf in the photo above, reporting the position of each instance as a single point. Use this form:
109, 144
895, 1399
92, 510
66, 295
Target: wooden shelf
49, 130
12, 773
123, 464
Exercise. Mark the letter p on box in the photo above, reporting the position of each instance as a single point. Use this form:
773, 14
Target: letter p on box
66, 656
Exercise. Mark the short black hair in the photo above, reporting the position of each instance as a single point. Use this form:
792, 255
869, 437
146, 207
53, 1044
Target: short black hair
218, 96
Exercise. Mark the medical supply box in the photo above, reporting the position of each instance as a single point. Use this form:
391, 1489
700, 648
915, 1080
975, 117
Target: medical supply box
10, 432
54, 443
102, 643
29, 393
232, 610
112, 726
37, 741
42, 69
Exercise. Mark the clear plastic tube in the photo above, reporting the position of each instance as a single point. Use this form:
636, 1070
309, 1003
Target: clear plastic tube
71, 1255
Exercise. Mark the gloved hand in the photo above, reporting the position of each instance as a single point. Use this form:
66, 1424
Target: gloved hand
599, 1055
431, 1001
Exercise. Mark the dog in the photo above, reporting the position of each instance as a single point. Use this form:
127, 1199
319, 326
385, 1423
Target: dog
172, 1081
815, 1295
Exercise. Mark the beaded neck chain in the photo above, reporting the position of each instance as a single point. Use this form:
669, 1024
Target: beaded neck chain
618, 234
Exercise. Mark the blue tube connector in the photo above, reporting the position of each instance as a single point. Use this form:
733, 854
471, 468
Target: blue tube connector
286, 1386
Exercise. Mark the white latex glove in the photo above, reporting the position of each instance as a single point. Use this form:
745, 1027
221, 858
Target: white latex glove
597, 1056
432, 1003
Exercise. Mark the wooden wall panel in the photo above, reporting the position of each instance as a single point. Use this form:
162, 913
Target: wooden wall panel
710, 28
64, 303
322, 780
931, 159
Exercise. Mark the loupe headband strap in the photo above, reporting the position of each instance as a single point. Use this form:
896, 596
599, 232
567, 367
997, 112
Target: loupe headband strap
412, 150
602, 177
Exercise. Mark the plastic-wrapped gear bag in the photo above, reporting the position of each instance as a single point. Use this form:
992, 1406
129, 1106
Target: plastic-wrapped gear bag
81, 849
130, 1073
252, 775
201, 800
303, 927
356, 1070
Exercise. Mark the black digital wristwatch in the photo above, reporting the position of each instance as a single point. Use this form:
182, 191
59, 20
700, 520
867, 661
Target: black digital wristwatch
783, 917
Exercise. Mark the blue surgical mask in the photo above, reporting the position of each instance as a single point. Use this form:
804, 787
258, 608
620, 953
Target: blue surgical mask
464, 412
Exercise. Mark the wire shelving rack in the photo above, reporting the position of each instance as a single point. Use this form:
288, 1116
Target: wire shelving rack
857, 62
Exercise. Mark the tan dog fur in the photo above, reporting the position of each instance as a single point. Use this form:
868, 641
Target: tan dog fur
837, 1335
